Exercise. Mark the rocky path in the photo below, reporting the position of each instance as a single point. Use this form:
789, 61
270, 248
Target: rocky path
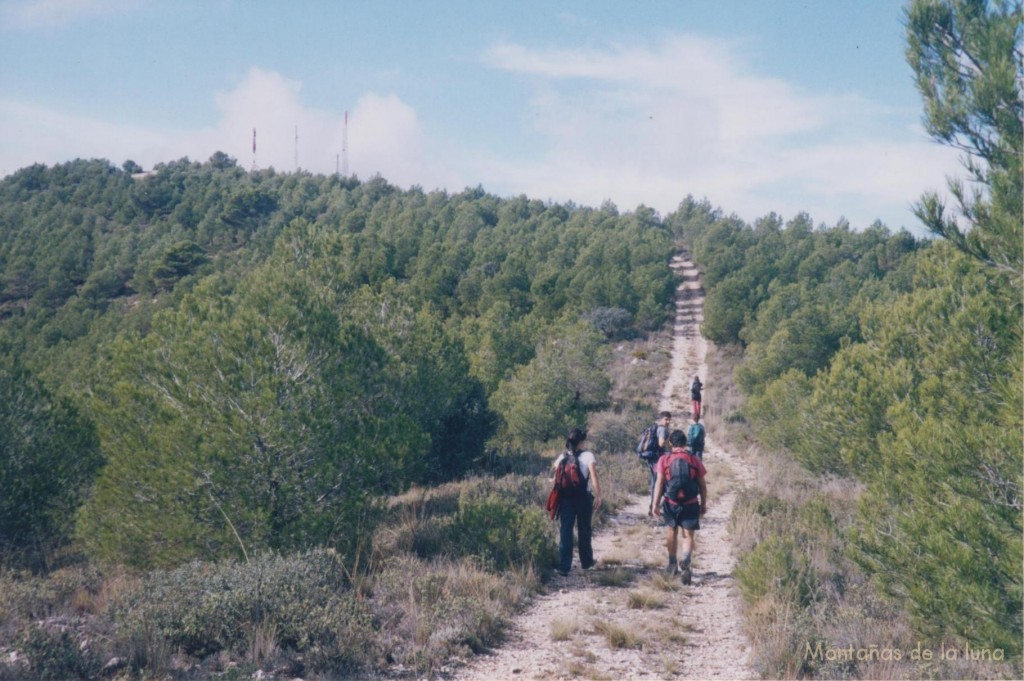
625, 619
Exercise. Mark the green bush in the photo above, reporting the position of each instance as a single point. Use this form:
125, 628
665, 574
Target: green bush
502, 533
56, 655
303, 601
775, 567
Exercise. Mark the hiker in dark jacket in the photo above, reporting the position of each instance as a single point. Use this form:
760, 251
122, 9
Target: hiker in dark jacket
578, 510
683, 512
695, 389
663, 423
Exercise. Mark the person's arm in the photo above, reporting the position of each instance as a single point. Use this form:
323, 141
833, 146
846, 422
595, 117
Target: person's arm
595, 483
703, 495
656, 499
554, 467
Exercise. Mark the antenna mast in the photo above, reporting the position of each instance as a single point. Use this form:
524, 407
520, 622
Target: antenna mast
344, 148
296, 148
253, 150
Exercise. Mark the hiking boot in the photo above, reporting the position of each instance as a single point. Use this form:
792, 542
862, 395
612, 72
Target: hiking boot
685, 574
671, 570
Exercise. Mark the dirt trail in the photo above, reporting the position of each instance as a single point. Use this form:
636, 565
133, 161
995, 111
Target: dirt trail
679, 632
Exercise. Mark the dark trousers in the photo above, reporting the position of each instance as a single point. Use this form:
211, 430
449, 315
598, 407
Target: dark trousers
650, 489
576, 513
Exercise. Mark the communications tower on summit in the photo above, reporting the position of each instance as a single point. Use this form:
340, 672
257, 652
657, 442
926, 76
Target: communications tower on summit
344, 148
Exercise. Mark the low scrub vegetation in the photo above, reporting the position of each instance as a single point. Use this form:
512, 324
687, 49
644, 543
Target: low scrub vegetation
810, 609
443, 571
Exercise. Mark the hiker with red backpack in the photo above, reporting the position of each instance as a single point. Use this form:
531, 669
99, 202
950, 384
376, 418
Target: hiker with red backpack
578, 492
682, 498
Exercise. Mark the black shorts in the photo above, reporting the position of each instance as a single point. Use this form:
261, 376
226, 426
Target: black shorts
686, 516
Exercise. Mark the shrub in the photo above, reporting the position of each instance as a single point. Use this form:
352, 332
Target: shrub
56, 655
502, 533
303, 601
775, 567
611, 321
429, 612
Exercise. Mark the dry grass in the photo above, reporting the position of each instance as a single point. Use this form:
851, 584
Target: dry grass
670, 665
562, 629
646, 599
615, 558
723, 399
662, 582
616, 635
618, 577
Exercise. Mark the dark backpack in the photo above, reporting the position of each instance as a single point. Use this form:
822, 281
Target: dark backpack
569, 480
696, 437
647, 448
682, 483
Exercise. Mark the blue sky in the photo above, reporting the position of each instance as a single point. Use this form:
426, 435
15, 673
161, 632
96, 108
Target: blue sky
757, 105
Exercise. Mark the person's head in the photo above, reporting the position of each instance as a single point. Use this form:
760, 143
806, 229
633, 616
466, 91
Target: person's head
677, 438
575, 439
664, 418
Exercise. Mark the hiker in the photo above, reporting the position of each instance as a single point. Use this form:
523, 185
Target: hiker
576, 508
695, 437
684, 511
653, 443
695, 389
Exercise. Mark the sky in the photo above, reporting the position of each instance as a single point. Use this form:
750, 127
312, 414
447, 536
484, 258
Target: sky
758, 106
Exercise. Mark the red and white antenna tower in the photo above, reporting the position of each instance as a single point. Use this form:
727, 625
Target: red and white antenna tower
344, 148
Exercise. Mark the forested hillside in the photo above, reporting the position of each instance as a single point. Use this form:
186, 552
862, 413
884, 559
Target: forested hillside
218, 387
231, 361
896, 363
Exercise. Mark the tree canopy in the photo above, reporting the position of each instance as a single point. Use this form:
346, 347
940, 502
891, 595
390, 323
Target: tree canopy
262, 355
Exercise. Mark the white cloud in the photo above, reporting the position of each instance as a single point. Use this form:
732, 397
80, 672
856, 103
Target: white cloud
652, 124
636, 125
34, 14
33, 134
384, 135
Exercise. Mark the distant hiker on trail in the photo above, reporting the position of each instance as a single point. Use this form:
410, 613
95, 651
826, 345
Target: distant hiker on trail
695, 436
695, 389
682, 499
579, 493
653, 443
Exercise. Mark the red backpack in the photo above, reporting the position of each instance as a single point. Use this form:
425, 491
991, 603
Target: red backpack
682, 484
569, 480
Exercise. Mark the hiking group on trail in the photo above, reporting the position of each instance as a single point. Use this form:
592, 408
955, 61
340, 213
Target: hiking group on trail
678, 493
